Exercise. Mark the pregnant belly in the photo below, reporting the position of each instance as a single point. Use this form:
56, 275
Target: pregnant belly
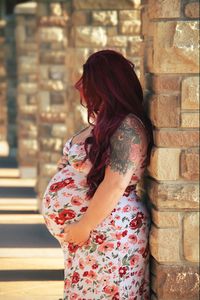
64, 200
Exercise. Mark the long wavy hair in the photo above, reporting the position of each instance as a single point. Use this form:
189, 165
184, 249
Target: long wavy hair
111, 91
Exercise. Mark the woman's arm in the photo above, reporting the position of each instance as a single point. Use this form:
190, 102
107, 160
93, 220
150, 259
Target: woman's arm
127, 153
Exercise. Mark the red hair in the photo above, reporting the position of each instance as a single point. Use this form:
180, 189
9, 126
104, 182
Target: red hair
111, 90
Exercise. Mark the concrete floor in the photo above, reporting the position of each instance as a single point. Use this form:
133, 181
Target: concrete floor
31, 260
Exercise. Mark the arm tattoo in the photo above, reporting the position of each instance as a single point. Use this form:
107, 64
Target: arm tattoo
125, 136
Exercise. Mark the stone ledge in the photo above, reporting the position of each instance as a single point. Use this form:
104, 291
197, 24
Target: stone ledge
26, 8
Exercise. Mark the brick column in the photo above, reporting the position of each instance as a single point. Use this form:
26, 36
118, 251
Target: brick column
4, 148
27, 89
55, 117
170, 76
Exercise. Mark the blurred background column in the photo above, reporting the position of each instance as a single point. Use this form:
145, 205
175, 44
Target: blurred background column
27, 88
170, 76
4, 147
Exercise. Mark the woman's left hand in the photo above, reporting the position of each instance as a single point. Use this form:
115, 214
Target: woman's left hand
76, 233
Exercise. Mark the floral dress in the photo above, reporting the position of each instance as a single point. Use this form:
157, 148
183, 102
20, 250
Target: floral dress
114, 263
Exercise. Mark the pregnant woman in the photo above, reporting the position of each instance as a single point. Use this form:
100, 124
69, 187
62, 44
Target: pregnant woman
91, 205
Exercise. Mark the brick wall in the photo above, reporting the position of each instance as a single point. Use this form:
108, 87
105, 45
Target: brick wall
27, 88
4, 149
170, 75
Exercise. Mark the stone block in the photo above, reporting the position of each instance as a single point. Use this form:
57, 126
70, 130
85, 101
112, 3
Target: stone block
164, 164
28, 172
52, 57
59, 130
190, 120
172, 51
164, 9
191, 237
48, 170
54, 21
86, 36
166, 219
27, 64
52, 117
105, 18
134, 46
4, 148
130, 27
26, 8
179, 196
28, 147
106, 4
50, 144
80, 18
165, 83
192, 10
53, 34
164, 244
168, 104
112, 30
20, 34
117, 41
176, 138
28, 88
125, 15
176, 282
190, 93
189, 161
76, 56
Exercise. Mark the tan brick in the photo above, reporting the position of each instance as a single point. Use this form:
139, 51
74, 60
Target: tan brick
106, 4
112, 30
174, 195
27, 64
26, 8
164, 9
80, 18
167, 83
129, 15
190, 164
190, 120
164, 244
59, 130
130, 27
192, 10
165, 219
176, 281
90, 36
172, 54
48, 170
104, 18
134, 46
164, 164
165, 111
117, 41
28, 88
191, 237
190, 93
176, 138
52, 34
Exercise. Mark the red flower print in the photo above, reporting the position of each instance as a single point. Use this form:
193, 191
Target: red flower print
83, 209
133, 238
75, 277
94, 266
99, 239
124, 233
134, 260
141, 289
110, 289
61, 184
116, 296
72, 248
135, 223
140, 215
64, 215
118, 244
85, 273
122, 271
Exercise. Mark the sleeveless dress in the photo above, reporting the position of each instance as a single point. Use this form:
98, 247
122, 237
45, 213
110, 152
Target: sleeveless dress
114, 263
